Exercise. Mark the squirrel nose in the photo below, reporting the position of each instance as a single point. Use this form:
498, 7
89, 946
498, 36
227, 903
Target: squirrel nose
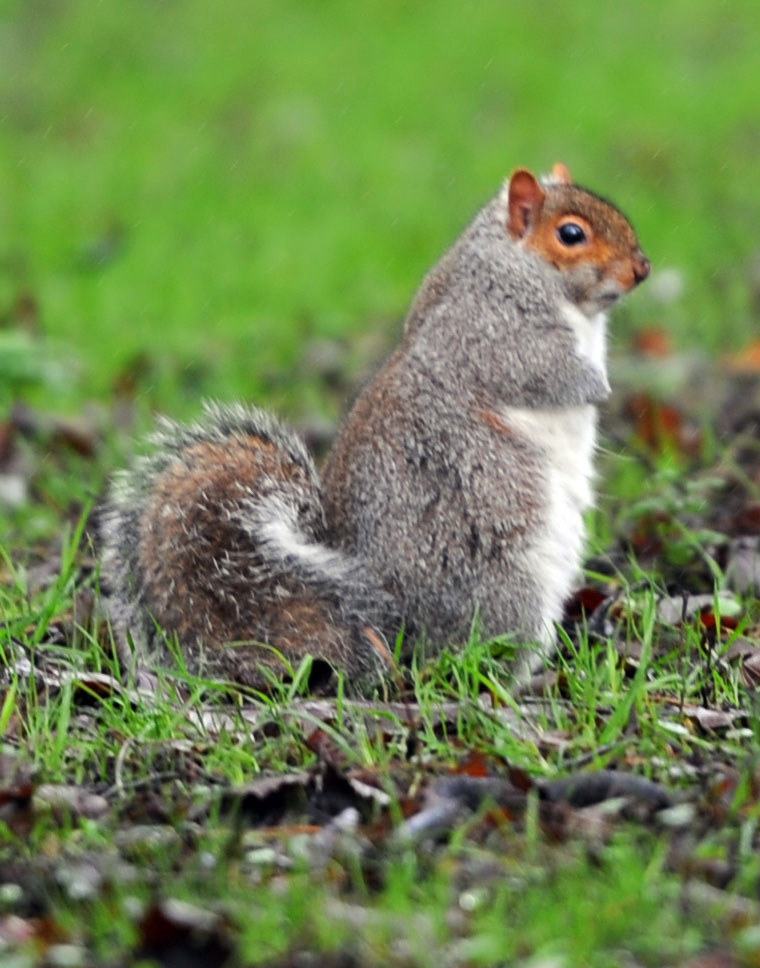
641, 267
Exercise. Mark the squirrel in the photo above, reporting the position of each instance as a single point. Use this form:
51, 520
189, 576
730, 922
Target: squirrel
455, 490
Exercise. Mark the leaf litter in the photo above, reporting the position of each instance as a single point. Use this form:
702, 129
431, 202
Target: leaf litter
334, 816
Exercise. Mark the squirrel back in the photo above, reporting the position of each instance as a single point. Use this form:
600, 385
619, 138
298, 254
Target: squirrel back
456, 487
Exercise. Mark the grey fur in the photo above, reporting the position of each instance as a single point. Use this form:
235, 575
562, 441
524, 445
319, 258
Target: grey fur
436, 503
498, 331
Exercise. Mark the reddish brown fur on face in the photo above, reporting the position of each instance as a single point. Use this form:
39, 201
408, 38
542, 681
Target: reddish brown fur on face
611, 243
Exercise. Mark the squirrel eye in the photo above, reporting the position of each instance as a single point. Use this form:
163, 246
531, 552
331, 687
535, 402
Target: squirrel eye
570, 233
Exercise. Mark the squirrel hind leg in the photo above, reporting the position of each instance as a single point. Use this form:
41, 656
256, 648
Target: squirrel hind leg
285, 634
338, 644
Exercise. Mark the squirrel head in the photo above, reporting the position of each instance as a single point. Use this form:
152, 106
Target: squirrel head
589, 241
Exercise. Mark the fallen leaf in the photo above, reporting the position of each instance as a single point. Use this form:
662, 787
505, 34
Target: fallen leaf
474, 764
264, 802
64, 801
745, 361
584, 789
583, 603
178, 933
712, 720
676, 608
654, 341
662, 426
742, 568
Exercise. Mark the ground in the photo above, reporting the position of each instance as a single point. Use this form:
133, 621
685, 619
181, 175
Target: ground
239, 202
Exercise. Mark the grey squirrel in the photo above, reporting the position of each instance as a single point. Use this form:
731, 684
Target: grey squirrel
456, 487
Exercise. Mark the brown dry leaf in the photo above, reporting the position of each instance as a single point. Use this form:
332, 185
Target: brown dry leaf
727, 792
337, 791
741, 649
583, 603
86, 685
16, 791
662, 426
713, 720
709, 620
175, 932
647, 538
138, 370
7, 432
745, 362
654, 341
76, 436
25, 312
81, 436
66, 801
745, 654
311, 797
16, 783
521, 779
284, 831
475, 763
751, 671
264, 802
321, 743
744, 519
716, 871
15, 932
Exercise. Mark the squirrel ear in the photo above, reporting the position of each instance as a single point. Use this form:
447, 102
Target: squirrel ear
526, 198
561, 173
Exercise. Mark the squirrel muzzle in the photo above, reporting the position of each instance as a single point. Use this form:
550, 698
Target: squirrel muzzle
641, 267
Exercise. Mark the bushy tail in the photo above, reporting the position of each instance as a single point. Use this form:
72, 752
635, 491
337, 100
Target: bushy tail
219, 536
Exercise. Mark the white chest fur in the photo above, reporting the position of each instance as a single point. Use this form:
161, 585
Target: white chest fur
590, 336
566, 438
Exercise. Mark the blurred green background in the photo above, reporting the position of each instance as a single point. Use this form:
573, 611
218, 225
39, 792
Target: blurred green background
192, 193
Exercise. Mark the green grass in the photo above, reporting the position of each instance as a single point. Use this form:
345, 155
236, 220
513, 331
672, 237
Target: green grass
495, 894
194, 196
211, 188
